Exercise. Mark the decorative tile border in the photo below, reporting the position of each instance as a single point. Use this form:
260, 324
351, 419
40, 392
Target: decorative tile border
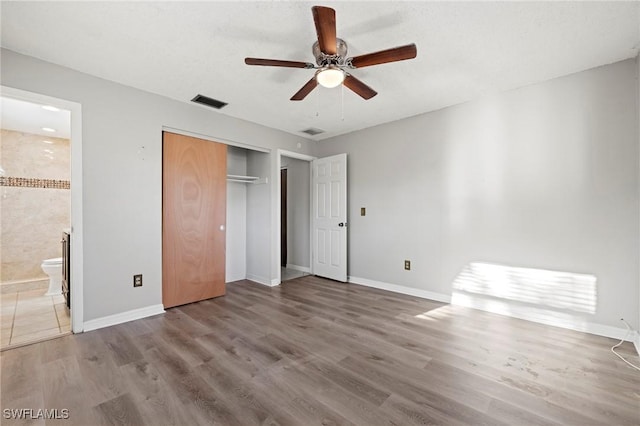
34, 183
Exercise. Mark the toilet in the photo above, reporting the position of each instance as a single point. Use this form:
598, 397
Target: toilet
53, 268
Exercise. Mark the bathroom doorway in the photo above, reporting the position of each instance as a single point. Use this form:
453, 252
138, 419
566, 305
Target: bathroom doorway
39, 201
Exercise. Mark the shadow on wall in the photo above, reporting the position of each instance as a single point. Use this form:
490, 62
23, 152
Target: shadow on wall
550, 297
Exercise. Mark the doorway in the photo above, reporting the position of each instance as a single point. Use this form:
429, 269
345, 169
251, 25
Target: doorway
326, 221
283, 217
46, 137
294, 192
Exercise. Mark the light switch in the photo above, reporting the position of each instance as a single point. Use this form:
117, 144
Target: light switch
363, 211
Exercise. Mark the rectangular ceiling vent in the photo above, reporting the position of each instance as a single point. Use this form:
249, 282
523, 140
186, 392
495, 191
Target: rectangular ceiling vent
312, 131
205, 100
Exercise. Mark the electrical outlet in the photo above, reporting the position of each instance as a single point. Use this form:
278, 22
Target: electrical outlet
407, 265
363, 211
137, 280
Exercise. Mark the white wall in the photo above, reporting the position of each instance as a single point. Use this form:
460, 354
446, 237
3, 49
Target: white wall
236, 253
298, 211
122, 194
543, 177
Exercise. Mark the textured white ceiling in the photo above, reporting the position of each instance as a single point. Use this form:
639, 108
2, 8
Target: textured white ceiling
28, 117
465, 50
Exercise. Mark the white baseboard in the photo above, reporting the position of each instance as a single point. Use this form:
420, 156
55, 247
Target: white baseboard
401, 289
263, 280
134, 314
540, 315
299, 268
583, 326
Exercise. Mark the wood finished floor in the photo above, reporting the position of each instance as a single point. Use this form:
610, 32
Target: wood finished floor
314, 351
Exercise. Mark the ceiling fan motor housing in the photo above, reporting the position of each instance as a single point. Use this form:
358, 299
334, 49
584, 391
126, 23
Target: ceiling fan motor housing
322, 59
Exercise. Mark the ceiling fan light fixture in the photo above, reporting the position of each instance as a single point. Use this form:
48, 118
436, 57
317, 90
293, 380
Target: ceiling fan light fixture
330, 77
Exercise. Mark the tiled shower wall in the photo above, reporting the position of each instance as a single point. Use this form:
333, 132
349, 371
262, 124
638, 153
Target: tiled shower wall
34, 202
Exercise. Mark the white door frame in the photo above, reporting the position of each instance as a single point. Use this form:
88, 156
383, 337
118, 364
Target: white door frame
77, 281
277, 209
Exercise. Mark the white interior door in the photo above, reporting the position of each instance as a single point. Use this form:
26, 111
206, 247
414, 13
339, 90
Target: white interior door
329, 217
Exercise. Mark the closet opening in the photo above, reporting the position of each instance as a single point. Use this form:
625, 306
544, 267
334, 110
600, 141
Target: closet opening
248, 215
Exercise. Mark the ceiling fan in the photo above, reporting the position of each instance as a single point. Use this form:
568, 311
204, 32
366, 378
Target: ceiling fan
333, 65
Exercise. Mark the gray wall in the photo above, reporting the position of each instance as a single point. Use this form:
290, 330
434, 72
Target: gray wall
298, 211
542, 177
259, 219
122, 194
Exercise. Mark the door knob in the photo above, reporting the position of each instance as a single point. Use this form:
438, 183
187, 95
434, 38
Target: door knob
341, 224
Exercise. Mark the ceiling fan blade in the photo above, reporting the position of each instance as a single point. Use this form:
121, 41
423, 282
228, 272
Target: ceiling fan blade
359, 87
325, 20
400, 53
277, 63
306, 89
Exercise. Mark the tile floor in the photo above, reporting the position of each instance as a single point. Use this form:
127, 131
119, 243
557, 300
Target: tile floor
29, 316
287, 274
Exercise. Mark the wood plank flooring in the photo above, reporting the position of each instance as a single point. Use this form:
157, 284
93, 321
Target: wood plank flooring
313, 351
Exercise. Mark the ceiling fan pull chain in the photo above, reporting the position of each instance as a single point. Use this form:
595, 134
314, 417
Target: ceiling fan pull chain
342, 96
318, 103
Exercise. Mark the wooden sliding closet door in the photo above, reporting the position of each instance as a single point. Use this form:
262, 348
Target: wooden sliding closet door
194, 196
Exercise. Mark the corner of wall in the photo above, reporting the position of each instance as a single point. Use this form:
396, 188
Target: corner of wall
269, 282
410, 291
119, 318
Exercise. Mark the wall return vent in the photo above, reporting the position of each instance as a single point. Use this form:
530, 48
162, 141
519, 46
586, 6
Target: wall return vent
205, 100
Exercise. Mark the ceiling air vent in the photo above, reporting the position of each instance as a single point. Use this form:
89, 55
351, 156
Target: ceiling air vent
205, 100
311, 131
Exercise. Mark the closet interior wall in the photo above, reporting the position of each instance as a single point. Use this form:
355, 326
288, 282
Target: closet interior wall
248, 217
